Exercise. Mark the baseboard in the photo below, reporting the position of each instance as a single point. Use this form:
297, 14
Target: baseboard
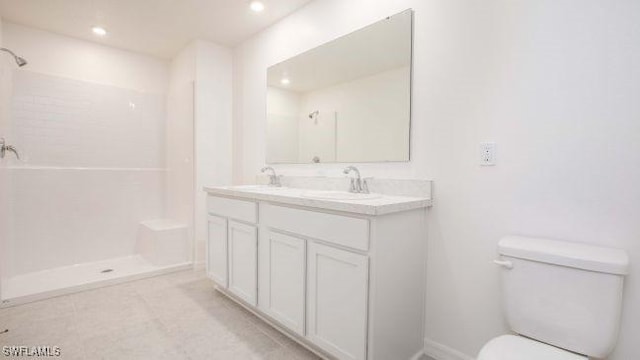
442, 352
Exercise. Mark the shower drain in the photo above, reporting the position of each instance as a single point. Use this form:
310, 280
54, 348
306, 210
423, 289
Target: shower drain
106, 271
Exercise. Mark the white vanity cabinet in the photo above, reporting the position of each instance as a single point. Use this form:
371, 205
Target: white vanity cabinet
348, 285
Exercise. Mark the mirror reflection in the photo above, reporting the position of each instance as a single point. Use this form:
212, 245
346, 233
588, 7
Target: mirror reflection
345, 101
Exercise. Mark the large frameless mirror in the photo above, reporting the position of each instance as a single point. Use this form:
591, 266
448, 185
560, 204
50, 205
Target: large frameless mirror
345, 101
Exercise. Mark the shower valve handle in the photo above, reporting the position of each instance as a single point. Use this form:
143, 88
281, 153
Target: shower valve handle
4, 148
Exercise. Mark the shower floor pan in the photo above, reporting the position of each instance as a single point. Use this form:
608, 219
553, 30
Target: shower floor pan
69, 279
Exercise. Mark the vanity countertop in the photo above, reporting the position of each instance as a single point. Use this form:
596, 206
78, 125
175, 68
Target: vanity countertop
377, 204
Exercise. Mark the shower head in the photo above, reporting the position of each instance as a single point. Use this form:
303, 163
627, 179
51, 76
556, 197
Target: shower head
19, 60
314, 114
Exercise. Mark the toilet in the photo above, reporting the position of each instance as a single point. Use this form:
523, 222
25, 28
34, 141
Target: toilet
562, 299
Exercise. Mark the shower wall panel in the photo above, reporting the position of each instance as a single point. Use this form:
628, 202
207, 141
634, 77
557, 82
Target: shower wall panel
93, 168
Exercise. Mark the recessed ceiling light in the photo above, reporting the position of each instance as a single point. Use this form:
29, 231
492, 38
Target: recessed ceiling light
100, 31
285, 81
256, 6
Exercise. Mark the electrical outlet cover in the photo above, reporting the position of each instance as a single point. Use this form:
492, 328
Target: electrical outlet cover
487, 153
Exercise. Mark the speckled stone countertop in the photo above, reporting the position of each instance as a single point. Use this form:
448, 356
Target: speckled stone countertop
379, 205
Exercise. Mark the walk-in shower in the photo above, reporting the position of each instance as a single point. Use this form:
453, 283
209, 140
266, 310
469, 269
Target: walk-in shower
83, 179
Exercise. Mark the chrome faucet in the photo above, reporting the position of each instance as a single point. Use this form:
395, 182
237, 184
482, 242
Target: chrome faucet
4, 148
274, 180
357, 184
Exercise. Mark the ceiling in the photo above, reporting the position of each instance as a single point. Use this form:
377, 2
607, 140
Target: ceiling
382, 46
155, 27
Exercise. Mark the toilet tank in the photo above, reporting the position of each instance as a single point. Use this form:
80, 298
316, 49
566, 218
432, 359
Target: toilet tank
561, 293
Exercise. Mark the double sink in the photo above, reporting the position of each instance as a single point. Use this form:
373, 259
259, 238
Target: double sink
309, 194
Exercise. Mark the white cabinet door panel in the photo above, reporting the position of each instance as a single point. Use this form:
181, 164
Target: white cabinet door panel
243, 258
284, 279
217, 250
337, 301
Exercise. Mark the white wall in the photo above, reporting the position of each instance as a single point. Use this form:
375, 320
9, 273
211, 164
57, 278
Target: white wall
179, 189
554, 83
67, 57
89, 122
199, 133
213, 129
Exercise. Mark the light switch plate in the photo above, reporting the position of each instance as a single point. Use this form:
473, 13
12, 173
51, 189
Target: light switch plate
487, 154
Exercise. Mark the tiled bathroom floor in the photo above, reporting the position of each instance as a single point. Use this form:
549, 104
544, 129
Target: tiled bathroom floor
176, 316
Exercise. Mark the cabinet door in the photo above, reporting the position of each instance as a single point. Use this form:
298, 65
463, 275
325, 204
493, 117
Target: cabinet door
283, 279
217, 250
243, 257
337, 301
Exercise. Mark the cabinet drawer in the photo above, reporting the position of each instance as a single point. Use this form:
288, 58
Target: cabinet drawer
341, 230
235, 209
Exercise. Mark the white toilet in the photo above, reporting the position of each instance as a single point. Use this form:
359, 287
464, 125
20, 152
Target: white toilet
563, 299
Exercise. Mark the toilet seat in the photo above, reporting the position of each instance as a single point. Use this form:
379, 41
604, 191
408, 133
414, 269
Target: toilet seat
512, 347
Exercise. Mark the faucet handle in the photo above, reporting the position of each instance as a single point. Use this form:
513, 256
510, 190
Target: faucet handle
352, 186
274, 179
365, 186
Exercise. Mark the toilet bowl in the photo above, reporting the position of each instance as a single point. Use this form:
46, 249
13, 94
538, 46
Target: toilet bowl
514, 347
564, 300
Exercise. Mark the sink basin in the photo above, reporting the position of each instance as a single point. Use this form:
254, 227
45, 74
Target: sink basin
257, 188
338, 195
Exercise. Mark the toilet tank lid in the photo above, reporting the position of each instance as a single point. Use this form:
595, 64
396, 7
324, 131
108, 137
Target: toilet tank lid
565, 253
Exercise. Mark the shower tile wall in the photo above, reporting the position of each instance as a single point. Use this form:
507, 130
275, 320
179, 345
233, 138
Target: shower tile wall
63, 122
93, 169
